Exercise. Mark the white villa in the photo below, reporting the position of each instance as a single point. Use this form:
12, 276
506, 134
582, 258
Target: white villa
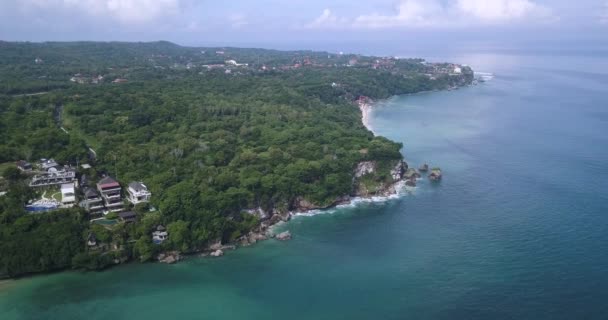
138, 193
68, 195
160, 235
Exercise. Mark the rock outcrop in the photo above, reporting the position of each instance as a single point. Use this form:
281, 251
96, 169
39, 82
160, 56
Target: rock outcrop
365, 167
260, 213
435, 174
283, 236
424, 168
169, 257
410, 182
217, 253
397, 172
411, 173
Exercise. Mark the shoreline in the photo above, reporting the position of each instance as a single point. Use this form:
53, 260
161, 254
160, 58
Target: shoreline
366, 111
266, 229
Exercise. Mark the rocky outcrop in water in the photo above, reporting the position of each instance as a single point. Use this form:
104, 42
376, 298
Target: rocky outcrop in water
283, 236
435, 174
217, 253
411, 173
169, 257
424, 168
410, 182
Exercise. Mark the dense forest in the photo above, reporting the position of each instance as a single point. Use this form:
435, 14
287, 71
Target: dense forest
211, 131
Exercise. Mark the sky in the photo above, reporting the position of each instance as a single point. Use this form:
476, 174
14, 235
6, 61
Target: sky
309, 23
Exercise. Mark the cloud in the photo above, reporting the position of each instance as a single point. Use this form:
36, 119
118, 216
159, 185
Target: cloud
327, 19
238, 20
124, 11
437, 13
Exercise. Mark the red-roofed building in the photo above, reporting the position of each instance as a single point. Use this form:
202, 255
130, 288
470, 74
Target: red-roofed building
110, 191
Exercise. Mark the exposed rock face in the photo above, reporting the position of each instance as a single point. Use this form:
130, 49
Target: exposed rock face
260, 213
398, 171
217, 253
364, 168
302, 204
411, 173
283, 236
378, 186
424, 168
435, 174
169, 257
410, 182
253, 237
216, 245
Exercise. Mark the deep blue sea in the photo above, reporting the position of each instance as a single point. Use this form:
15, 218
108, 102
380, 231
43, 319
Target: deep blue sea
517, 229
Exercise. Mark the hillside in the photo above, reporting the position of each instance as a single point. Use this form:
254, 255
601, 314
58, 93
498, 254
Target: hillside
212, 132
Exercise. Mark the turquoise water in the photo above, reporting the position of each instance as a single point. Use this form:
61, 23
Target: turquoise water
518, 228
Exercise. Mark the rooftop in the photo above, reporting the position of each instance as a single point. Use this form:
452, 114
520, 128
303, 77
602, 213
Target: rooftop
138, 186
108, 182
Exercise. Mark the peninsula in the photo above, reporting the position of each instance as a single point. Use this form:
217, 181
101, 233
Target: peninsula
112, 152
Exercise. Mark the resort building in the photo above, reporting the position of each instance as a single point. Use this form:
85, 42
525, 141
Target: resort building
138, 193
68, 195
92, 201
110, 192
48, 164
160, 235
53, 178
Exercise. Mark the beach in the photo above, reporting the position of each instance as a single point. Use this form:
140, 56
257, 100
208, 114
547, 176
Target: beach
366, 110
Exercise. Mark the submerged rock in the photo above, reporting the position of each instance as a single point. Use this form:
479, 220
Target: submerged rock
283, 236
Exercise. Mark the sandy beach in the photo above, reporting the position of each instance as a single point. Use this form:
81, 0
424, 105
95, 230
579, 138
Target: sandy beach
366, 110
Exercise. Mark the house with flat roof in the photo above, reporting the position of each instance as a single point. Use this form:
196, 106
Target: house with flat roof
138, 193
68, 195
110, 191
53, 177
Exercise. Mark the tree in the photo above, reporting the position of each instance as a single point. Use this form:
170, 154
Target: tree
12, 174
179, 235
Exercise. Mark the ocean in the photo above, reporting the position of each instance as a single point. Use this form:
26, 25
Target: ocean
517, 228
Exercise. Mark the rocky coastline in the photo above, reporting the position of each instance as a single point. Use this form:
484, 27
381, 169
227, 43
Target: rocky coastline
401, 174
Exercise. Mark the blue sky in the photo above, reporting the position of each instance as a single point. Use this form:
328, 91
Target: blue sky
302, 23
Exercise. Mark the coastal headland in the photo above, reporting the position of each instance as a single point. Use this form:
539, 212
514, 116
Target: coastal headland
188, 150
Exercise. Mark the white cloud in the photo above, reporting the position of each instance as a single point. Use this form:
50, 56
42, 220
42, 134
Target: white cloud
238, 20
327, 19
125, 11
438, 13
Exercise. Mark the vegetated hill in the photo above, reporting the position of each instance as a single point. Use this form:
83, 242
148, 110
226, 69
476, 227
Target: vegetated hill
210, 136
